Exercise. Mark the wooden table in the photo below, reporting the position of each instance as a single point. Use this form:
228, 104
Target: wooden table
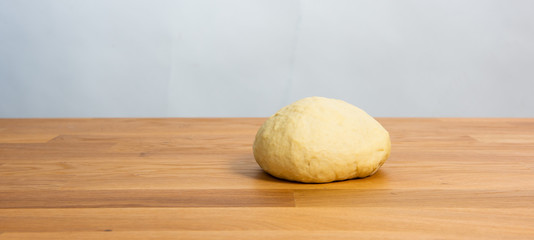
197, 179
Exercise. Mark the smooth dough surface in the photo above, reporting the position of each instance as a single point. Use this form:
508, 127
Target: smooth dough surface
318, 140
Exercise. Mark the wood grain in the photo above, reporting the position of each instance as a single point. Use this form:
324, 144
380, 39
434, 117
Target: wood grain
197, 179
146, 198
474, 223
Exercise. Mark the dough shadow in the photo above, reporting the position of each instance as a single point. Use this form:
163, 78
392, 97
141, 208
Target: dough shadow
246, 165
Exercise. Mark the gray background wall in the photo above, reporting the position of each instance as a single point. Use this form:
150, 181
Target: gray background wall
127, 58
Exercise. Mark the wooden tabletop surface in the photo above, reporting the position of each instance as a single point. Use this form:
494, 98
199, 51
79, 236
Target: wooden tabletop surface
197, 179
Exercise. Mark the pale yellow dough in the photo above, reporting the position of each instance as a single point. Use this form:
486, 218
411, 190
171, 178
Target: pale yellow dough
318, 140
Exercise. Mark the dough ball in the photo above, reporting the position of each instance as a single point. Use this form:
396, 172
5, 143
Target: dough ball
318, 140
